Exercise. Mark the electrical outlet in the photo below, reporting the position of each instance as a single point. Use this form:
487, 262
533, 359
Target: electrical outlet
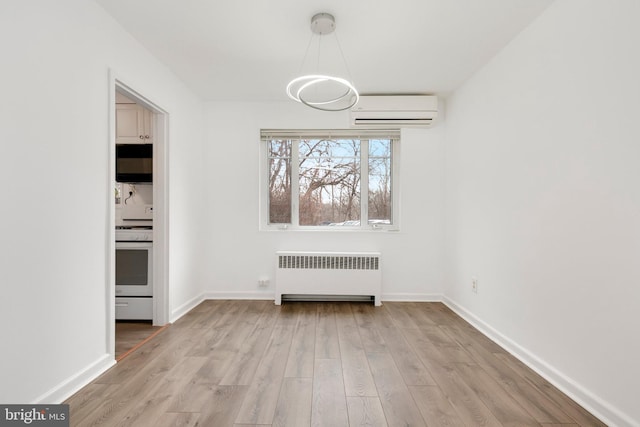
263, 283
474, 285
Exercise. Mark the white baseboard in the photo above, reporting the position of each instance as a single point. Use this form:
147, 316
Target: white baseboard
71, 385
399, 297
603, 410
186, 307
269, 295
408, 297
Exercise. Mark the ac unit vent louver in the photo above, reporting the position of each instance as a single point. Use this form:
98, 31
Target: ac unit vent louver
394, 111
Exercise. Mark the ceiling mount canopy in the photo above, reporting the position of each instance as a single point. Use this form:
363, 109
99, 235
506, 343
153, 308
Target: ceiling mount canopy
323, 90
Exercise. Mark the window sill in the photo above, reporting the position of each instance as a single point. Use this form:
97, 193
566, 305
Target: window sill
331, 229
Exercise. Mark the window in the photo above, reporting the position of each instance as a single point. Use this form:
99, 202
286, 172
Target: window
330, 179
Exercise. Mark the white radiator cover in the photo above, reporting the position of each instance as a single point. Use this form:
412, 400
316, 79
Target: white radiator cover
328, 274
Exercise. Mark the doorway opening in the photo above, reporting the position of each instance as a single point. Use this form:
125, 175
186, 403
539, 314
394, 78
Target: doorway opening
139, 316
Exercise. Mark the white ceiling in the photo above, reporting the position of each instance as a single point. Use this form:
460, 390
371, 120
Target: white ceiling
250, 49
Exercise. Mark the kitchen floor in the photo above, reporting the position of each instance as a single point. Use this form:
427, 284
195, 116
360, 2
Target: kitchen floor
130, 334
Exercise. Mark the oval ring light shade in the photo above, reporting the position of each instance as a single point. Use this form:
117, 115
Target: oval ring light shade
299, 89
321, 91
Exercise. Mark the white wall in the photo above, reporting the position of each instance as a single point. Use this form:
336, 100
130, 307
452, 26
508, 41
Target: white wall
54, 121
238, 253
543, 205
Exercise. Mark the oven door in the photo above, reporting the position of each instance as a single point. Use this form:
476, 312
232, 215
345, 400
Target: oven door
134, 269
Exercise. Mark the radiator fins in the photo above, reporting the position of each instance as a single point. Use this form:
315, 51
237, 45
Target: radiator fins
328, 262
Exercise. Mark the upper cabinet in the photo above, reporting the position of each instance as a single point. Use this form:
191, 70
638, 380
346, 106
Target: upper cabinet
134, 124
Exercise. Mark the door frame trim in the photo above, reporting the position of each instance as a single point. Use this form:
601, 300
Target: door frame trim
161, 299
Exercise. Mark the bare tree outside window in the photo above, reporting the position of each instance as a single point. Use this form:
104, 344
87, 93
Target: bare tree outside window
379, 181
328, 190
329, 181
279, 182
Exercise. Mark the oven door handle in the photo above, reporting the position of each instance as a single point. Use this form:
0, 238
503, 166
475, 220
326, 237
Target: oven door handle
122, 304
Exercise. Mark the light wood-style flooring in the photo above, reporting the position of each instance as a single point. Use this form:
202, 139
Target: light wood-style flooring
130, 334
251, 363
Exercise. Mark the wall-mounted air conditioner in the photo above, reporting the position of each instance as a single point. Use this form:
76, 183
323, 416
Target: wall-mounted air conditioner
394, 111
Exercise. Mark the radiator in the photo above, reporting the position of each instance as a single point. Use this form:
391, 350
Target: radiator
328, 276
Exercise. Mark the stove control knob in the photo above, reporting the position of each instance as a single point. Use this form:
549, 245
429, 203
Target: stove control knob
144, 237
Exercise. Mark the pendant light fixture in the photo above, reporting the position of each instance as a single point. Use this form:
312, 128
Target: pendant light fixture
322, 90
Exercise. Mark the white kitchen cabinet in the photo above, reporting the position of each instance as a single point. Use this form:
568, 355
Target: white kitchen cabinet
134, 124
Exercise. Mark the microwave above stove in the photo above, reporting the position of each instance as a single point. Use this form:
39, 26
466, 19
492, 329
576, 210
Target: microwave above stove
134, 163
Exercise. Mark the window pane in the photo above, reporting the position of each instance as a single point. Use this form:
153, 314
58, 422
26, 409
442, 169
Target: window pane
329, 178
329, 148
379, 182
279, 182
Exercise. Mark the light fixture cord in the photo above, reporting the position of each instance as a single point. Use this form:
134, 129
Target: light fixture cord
335, 33
319, 48
306, 52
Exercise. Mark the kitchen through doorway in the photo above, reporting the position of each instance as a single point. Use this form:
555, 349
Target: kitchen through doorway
138, 289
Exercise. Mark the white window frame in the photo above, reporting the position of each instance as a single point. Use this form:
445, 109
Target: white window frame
268, 134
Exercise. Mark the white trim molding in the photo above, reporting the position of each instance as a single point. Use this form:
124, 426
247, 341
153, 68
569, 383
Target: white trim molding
186, 307
411, 297
599, 408
74, 383
270, 295
246, 295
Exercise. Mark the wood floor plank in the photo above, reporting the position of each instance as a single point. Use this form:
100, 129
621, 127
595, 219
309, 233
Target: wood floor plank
294, 403
132, 364
499, 402
145, 381
327, 345
178, 419
222, 409
224, 351
200, 315
329, 403
176, 386
568, 406
530, 398
209, 340
324, 364
131, 334
241, 369
149, 407
410, 366
435, 407
227, 321
302, 354
465, 334
464, 400
348, 334
560, 425
397, 402
186, 392
260, 402
372, 342
422, 314
365, 412
358, 380
400, 316
446, 346
437, 312
87, 401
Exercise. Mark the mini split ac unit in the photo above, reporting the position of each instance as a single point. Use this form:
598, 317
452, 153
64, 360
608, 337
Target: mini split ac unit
394, 111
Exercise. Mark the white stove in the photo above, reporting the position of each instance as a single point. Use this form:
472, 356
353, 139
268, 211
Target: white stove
134, 234
134, 272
